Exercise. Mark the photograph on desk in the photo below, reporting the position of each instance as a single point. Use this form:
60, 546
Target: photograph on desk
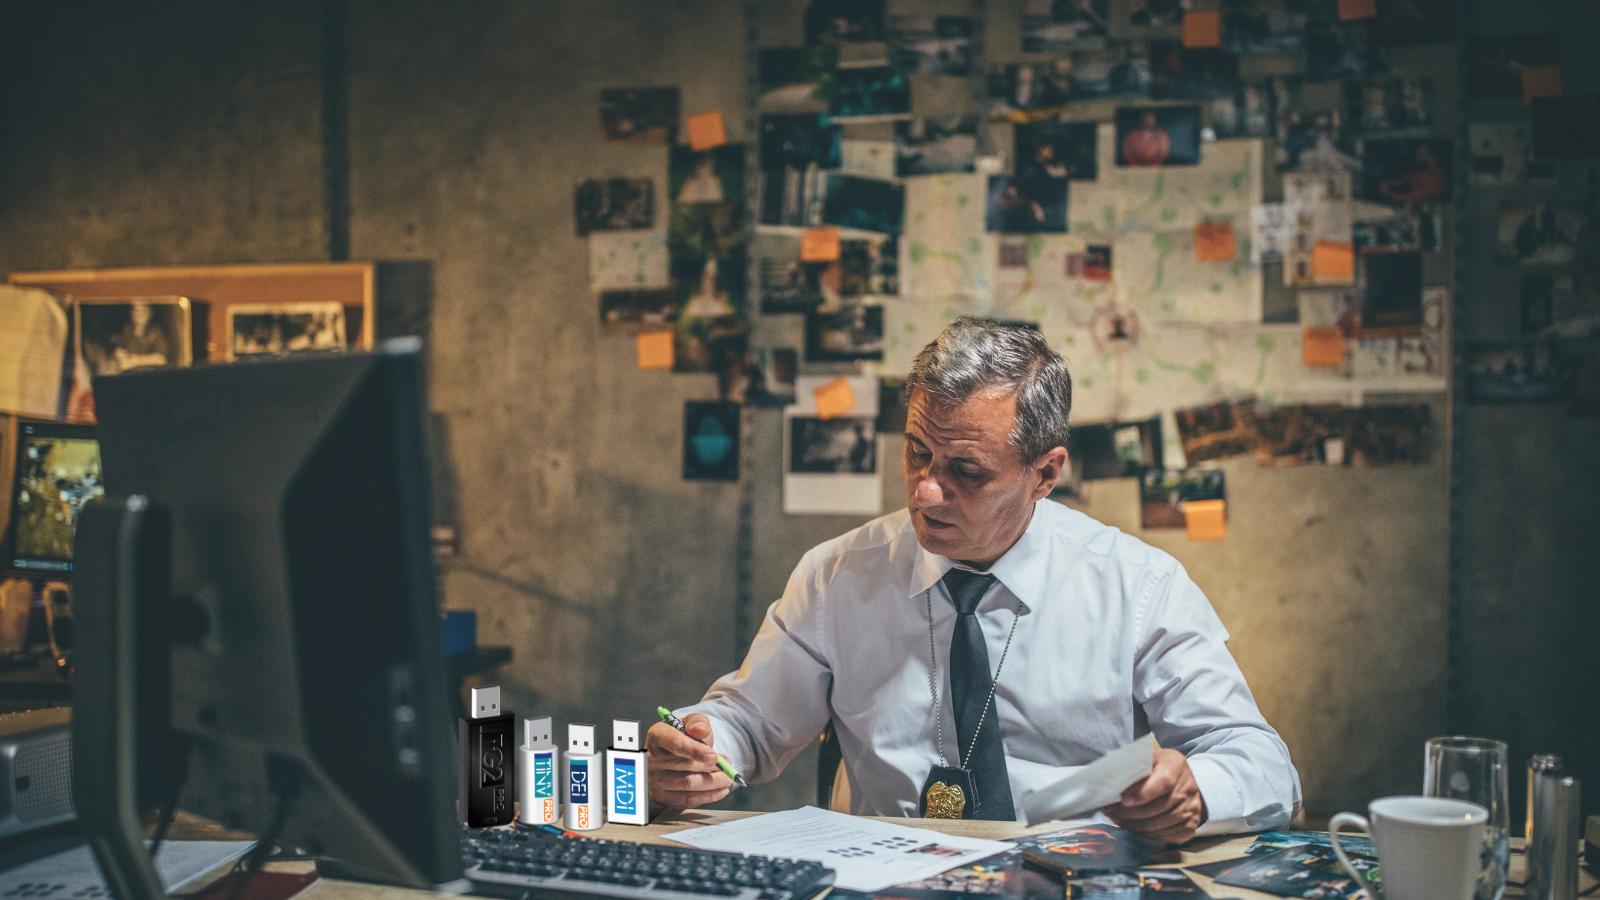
1163, 493
255, 329
116, 335
1139, 884
1303, 870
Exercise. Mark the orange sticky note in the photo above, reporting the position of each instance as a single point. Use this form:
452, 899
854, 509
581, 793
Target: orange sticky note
655, 350
819, 245
1357, 9
1213, 241
1540, 81
1206, 520
1322, 347
1202, 29
1333, 261
706, 131
834, 399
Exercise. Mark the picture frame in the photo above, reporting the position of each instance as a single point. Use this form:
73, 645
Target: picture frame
256, 329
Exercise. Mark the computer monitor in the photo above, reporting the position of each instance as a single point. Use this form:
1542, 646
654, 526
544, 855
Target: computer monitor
302, 646
57, 473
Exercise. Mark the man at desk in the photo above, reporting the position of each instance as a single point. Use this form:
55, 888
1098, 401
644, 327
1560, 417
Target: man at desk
988, 639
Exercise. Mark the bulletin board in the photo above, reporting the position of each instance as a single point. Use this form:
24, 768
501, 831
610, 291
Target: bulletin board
348, 283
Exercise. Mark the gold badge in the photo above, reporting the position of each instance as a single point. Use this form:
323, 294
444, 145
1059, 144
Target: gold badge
945, 801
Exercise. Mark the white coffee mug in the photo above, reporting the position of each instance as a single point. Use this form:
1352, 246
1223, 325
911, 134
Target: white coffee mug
1429, 848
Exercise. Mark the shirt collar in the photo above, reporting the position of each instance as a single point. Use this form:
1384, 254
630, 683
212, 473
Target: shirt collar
1021, 569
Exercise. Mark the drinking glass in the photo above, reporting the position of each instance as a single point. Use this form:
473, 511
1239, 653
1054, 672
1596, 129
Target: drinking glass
1469, 768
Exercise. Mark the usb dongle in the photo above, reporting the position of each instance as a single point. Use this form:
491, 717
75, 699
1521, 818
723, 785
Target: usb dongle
488, 773
627, 776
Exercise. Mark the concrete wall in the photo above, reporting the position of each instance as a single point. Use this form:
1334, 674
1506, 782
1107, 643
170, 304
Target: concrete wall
192, 135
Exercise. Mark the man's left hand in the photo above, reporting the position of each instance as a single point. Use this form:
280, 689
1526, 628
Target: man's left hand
1166, 805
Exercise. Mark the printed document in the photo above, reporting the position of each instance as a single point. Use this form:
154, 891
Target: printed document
1098, 784
867, 855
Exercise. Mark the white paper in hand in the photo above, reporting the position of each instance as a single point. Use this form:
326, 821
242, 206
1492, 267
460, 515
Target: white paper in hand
1098, 784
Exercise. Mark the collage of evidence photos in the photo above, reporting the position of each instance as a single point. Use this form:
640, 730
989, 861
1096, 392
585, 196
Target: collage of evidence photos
1104, 181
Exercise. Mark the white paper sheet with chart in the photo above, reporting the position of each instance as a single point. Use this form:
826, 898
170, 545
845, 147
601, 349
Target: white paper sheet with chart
867, 855
68, 866
1098, 784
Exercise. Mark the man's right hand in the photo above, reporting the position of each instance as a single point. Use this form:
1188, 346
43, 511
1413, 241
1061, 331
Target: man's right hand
683, 771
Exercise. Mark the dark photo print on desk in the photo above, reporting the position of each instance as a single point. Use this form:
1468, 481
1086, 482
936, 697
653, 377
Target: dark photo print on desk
710, 441
840, 446
1026, 205
853, 333
1158, 135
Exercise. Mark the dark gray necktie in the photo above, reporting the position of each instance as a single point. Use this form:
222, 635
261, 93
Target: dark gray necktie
970, 685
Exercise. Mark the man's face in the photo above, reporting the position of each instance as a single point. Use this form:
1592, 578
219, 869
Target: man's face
969, 493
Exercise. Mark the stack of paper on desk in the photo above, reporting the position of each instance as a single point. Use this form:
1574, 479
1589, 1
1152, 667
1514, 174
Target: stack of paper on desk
1098, 784
867, 855
69, 867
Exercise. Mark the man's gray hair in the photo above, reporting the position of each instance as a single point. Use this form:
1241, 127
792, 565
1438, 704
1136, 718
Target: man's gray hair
974, 355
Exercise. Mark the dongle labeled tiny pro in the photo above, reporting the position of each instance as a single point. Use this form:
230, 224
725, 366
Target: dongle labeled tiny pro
488, 766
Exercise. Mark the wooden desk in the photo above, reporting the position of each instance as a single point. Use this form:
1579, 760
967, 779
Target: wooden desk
1201, 850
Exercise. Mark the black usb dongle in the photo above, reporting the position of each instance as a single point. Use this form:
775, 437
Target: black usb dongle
488, 766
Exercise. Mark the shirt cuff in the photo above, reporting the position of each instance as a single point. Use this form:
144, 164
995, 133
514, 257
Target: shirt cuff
1224, 803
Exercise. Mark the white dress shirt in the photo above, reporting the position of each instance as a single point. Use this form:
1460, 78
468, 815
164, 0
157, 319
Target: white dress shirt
1114, 640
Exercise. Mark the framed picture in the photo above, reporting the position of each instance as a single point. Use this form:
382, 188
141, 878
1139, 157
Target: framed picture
122, 333
255, 329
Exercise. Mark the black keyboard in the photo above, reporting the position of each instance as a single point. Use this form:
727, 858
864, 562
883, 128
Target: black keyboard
510, 862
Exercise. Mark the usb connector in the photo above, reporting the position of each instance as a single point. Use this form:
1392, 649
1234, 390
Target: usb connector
485, 702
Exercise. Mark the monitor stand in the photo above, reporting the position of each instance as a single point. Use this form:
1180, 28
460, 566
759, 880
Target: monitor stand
122, 684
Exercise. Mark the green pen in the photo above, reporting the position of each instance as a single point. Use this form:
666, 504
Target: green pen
722, 761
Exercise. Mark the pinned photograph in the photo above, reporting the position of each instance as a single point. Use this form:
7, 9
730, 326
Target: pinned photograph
935, 146
1389, 107
637, 309
1391, 294
1302, 435
1152, 19
1416, 21
1501, 154
710, 441
1341, 51
134, 333
1115, 449
639, 116
768, 377
1052, 149
1400, 434
1163, 492
835, 21
256, 329
708, 345
1217, 430
1062, 26
1120, 70
846, 445
1540, 235
706, 176
1315, 142
795, 79
1253, 109
869, 268
1026, 205
870, 92
1262, 31
1097, 263
853, 333
1191, 73
1158, 136
1377, 228
1022, 88
797, 141
1406, 172
706, 239
1507, 374
864, 203
1495, 64
614, 204
931, 45
1566, 126
790, 286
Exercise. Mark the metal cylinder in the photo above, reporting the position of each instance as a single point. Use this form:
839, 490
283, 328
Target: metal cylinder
1539, 762
1553, 849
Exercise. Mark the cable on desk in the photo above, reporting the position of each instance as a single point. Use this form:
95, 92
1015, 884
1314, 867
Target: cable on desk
285, 777
182, 746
